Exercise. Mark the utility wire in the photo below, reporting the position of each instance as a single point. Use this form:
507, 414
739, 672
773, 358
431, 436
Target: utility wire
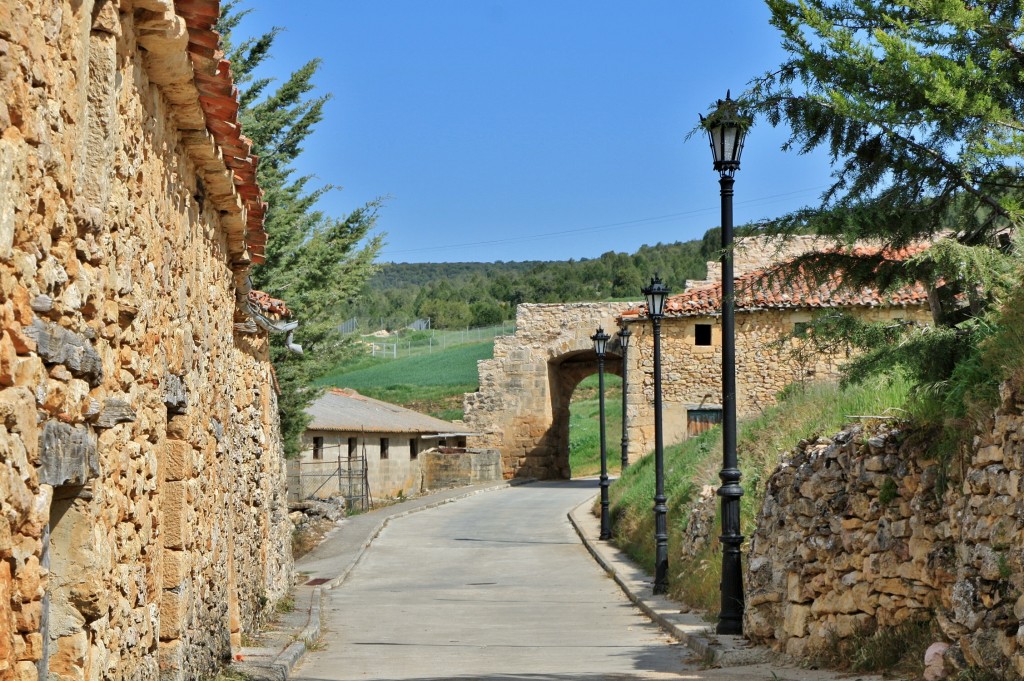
614, 225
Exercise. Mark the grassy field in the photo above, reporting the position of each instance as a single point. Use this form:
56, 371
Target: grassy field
585, 427
432, 383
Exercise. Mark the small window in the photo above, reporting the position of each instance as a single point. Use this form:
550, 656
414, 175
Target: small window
702, 334
384, 448
318, 448
414, 448
352, 444
800, 329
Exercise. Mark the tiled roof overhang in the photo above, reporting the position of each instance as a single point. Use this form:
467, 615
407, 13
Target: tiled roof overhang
218, 98
784, 288
180, 54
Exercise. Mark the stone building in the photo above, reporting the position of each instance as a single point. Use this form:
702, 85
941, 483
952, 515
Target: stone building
369, 449
522, 405
772, 309
142, 518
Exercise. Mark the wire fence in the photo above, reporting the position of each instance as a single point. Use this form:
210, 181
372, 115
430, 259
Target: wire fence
434, 340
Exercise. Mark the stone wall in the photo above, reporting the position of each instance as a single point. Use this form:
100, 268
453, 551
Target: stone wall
455, 468
767, 360
522, 405
142, 516
854, 535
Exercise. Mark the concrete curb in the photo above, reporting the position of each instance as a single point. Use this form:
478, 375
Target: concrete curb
687, 628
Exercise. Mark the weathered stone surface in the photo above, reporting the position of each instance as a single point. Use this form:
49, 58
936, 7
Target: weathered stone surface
68, 454
102, 237
175, 394
113, 412
57, 345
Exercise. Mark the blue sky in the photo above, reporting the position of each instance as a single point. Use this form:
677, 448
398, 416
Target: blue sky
533, 129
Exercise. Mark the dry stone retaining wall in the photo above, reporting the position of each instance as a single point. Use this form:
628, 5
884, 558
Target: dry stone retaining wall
854, 534
142, 516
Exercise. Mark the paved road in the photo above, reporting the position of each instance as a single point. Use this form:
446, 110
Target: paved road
496, 586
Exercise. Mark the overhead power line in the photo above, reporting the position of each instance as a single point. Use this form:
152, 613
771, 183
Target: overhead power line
599, 228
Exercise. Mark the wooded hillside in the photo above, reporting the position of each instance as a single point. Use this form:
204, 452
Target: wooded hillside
460, 294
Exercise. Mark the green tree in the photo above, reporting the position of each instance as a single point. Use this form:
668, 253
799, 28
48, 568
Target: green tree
920, 104
313, 260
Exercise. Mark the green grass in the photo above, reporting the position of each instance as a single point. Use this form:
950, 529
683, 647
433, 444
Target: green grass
454, 366
585, 427
432, 383
808, 413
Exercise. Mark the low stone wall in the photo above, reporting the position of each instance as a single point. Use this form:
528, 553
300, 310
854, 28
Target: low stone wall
443, 469
854, 535
849, 538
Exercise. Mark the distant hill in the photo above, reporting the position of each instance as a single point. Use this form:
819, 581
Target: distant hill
466, 294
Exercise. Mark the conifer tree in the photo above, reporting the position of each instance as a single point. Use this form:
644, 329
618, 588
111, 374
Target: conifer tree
920, 104
313, 261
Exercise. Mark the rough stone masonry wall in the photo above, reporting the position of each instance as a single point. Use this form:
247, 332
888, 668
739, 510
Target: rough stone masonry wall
691, 374
521, 407
853, 535
142, 517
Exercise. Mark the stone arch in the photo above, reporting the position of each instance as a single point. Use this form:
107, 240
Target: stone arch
522, 405
566, 372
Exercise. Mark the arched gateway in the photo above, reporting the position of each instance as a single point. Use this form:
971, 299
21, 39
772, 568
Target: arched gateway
522, 405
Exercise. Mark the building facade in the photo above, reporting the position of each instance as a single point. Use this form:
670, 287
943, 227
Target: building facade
362, 448
143, 524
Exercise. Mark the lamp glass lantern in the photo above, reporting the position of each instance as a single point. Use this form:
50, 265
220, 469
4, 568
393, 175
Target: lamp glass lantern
656, 295
727, 130
600, 341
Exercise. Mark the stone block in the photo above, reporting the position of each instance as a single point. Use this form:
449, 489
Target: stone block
57, 345
27, 616
175, 395
113, 412
795, 619
176, 529
173, 607
171, 660
177, 460
68, 454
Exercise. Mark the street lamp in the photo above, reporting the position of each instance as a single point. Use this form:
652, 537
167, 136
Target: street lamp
656, 294
624, 334
726, 131
600, 344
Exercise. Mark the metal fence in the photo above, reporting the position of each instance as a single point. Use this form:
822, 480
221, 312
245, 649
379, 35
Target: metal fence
343, 476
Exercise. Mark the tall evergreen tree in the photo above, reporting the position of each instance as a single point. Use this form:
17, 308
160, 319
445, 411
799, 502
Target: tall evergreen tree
920, 104
313, 260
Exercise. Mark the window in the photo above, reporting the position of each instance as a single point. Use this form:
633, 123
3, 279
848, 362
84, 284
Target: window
414, 448
383, 448
800, 329
702, 334
318, 448
352, 444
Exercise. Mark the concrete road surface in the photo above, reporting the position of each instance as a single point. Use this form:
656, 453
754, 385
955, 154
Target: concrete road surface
496, 586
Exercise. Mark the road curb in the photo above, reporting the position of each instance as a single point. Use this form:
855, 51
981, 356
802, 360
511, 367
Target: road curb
687, 628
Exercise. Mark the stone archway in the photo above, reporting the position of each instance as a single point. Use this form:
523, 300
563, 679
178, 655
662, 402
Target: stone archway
522, 405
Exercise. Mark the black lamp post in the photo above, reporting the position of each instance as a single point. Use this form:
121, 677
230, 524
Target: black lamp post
727, 130
656, 294
600, 345
624, 334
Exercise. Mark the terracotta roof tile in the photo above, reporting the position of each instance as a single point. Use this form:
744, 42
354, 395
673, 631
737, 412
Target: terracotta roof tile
769, 289
218, 98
